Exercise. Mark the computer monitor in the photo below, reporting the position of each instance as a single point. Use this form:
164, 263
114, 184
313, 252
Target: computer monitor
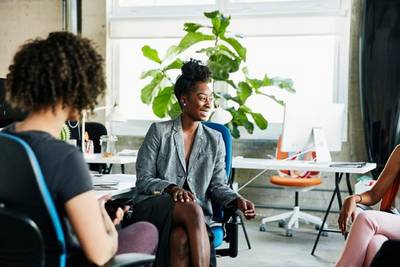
7, 114
313, 126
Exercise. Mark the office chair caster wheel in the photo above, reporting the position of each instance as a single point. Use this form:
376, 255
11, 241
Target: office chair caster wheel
282, 224
324, 233
289, 233
263, 227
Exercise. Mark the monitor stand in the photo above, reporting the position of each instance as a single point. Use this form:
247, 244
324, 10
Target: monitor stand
321, 146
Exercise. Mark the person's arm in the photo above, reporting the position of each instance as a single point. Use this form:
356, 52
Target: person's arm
93, 227
385, 180
375, 194
146, 164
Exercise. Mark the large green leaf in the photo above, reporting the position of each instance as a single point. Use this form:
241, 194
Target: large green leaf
208, 50
249, 126
191, 26
220, 23
280, 102
259, 119
267, 81
147, 92
231, 83
244, 108
226, 51
255, 83
244, 91
216, 22
150, 73
220, 49
221, 65
219, 72
240, 50
175, 110
240, 117
176, 64
161, 101
233, 129
286, 84
212, 14
192, 38
171, 51
151, 53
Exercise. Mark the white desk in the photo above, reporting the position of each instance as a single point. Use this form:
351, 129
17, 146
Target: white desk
99, 159
271, 164
125, 184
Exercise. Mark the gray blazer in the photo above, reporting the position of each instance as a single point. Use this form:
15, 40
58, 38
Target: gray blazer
161, 162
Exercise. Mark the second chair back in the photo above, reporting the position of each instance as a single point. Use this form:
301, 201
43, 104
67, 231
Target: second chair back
23, 189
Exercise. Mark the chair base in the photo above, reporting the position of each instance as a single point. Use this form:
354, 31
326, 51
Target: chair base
292, 219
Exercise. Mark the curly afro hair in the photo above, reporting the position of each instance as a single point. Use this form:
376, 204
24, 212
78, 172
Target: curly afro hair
63, 68
193, 71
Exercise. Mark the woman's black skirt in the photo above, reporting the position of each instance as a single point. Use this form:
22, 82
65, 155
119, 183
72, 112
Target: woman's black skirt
158, 211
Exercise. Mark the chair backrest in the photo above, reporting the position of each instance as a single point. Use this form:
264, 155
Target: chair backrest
23, 189
228, 231
227, 137
94, 129
21, 243
280, 155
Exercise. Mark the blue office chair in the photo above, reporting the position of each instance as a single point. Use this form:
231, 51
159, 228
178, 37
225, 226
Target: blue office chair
31, 231
227, 229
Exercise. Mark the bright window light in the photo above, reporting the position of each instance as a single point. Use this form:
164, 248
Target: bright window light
307, 60
148, 3
132, 63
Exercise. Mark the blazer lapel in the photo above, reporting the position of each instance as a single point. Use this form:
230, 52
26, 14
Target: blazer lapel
178, 139
197, 145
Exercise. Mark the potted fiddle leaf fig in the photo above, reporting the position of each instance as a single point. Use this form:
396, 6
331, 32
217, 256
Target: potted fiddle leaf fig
225, 56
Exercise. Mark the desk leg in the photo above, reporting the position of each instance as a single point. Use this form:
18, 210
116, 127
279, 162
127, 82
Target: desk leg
349, 184
338, 177
108, 169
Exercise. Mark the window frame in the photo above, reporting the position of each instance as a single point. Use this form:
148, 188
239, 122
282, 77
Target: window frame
337, 13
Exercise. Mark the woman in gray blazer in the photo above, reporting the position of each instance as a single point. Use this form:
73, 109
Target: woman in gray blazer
180, 168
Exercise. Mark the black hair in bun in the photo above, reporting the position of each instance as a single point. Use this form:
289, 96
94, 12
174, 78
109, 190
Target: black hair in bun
193, 71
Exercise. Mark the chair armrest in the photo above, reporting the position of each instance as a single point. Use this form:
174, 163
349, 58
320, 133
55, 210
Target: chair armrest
130, 259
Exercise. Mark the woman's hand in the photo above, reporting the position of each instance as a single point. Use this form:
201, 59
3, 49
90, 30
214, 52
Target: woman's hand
247, 207
348, 210
181, 195
109, 225
119, 213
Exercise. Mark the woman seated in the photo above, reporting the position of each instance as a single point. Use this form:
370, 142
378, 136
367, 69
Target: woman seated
371, 228
180, 168
55, 79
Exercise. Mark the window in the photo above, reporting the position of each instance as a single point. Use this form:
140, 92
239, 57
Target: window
155, 3
311, 47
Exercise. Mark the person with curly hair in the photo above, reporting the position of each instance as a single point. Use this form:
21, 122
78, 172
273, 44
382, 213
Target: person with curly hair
54, 80
180, 167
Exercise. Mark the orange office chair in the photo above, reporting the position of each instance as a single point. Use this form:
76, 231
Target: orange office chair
297, 182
